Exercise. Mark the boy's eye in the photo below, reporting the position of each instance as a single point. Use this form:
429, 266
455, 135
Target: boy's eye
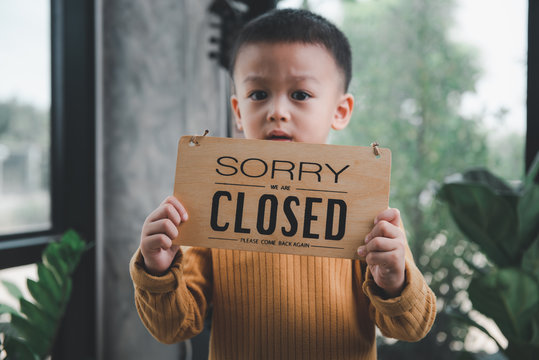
258, 95
300, 95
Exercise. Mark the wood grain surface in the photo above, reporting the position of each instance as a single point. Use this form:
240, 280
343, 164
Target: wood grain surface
294, 198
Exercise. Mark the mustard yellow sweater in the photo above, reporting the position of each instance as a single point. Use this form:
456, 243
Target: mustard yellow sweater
276, 306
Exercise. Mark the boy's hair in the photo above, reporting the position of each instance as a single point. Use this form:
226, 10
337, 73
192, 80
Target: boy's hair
296, 26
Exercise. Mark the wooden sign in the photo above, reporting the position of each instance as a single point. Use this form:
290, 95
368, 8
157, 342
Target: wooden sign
294, 198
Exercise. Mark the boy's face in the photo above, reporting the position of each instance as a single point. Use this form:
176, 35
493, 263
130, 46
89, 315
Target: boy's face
289, 92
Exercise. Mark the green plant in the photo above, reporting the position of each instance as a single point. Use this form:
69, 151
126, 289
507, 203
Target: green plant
31, 332
503, 221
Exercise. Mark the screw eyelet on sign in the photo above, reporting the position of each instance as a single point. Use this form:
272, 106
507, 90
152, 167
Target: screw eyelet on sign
194, 140
375, 149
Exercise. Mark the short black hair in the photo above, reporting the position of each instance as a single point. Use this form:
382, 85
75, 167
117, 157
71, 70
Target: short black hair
296, 26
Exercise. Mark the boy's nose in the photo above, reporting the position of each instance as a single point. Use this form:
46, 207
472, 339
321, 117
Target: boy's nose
278, 110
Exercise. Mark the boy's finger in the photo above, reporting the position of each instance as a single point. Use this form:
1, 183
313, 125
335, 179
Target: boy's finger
158, 241
384, 229
379, 244
382, 244
391, 215
165, 211
163, 226
388, 260
177, 205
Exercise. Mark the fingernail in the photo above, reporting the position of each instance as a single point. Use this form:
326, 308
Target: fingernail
361, 251
367, 238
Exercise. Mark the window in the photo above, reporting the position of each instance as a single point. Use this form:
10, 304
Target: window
25, 102
69, 173
46, 125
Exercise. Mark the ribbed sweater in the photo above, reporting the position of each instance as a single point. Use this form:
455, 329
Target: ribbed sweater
277, 306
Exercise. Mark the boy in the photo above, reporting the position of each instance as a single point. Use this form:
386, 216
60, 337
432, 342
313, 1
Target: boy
291, 70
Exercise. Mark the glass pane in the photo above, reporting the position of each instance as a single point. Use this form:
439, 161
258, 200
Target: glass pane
25, 101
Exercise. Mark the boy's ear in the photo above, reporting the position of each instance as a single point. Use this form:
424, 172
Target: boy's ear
236, 109
343, 113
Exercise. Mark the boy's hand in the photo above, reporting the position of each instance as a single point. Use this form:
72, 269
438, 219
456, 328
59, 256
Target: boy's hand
158, 231
384, 252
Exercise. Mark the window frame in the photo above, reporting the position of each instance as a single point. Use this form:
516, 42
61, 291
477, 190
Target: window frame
72, 171
532, 103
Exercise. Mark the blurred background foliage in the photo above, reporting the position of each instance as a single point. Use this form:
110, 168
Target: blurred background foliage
24, 165
503, 221
409, 77
22, 124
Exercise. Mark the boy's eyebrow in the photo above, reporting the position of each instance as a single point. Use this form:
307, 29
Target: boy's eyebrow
252, 78
257, 78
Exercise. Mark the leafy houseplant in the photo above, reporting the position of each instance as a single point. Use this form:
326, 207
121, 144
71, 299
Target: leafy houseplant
503, 221
32, 330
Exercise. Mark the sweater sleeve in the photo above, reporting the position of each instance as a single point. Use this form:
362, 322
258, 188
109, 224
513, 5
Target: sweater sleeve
410, 315
173, 306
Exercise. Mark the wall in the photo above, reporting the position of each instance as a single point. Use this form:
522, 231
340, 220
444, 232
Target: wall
156, 84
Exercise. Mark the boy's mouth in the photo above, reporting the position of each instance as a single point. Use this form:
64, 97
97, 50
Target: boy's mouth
278, 135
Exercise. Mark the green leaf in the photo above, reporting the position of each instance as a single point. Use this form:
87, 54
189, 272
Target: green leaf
35, 338
6, 309
485, 299
510, 298
530, 260
485, 218
535, 330
44, 299
66, 253
6, 329
528, 216
487, 179
48, 280
12, 289
71, 238
72, 248
521, 297
38, 317
17, 349
53, 259
73, 241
